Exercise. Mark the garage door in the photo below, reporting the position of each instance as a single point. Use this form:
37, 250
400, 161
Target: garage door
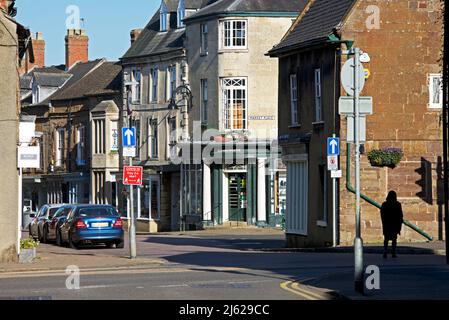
297, 190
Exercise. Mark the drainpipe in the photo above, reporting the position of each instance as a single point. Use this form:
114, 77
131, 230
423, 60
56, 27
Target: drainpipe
371, 201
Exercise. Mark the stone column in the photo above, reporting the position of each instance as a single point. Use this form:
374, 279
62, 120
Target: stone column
207, 193
261, 193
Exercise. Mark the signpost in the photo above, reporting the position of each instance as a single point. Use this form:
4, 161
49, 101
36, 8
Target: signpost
333, 151
131, 176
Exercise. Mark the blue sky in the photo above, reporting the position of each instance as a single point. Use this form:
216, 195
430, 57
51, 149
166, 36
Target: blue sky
107, 22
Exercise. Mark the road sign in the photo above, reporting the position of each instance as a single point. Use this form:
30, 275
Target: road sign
332, 163
346, 106
336, 174
333, 146
129, 137
347, 77
28, 157
132, 175
350, 129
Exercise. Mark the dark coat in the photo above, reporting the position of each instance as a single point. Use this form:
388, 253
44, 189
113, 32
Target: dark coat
392, 218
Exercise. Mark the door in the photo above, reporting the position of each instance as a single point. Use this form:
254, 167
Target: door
237, 197
175, 200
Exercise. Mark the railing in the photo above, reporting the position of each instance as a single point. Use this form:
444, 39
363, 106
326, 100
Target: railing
371, 201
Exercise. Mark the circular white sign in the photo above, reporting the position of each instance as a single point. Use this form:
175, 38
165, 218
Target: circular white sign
347, 77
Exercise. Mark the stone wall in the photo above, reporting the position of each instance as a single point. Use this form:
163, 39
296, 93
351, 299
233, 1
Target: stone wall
404, 50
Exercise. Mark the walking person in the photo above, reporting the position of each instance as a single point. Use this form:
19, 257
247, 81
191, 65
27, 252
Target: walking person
392, 219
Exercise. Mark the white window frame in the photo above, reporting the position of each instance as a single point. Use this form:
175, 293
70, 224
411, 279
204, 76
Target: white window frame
204, 35
224, 45
173, 81
229, 84
294, 99
204, 88
163, 18
60, 144
80, 145
318, 96
153, 143
136, 89
154, 75
431, 79
181, 13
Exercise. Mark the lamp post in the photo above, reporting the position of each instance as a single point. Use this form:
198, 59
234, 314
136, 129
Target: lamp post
186, 98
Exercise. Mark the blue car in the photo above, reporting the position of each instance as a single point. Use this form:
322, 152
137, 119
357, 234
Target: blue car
92, 224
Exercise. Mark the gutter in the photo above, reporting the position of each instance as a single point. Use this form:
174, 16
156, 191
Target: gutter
371, 201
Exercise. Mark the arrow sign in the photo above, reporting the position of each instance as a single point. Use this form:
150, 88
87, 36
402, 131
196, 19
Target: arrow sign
333, 146
129, 137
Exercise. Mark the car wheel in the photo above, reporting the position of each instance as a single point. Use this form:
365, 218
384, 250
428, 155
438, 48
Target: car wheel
45, 236
72, 244
29, 232
120, 245
110, 245
58, 239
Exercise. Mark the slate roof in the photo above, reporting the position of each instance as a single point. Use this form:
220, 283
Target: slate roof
76, 73
51, 79
152, 42
104, 79
234, 6
317, 23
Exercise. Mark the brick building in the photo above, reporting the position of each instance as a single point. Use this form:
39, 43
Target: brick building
404, 41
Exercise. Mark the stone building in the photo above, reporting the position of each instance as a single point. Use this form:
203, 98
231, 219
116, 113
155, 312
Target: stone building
13, 40
403, 40
156, 63
234, 112
62, 98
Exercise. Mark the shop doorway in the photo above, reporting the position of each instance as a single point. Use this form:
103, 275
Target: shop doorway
237, 197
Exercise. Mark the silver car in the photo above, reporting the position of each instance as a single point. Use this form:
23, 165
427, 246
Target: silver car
45, 214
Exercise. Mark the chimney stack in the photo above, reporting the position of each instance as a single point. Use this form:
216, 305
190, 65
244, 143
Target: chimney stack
76, 47
39, 50
135, 33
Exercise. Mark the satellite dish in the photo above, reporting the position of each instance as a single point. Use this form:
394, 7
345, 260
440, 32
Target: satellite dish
365, 58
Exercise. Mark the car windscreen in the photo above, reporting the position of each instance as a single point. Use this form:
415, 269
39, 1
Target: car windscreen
51, 212
92, 212
62, 212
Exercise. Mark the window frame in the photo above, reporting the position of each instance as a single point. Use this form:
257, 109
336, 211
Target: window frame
60, 145
204, 39
204, 93
223, 34
181, 14
163, 18
318, 95
224, 99
154, 78
431, 87
294, 99
153, 136
136, 89
80, 145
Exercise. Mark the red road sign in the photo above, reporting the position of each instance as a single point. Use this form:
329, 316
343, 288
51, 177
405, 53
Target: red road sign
132, 175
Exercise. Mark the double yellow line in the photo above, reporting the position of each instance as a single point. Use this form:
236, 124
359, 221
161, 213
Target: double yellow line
300, 290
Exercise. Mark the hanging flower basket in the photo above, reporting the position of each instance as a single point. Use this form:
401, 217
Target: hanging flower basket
387, 157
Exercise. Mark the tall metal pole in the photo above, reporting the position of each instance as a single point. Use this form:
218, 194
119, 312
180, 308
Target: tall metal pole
334, 207
132, 224
445, 129
358, 242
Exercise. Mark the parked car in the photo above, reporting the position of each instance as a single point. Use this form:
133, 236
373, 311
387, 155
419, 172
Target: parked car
45, 214
52, 226
92, 224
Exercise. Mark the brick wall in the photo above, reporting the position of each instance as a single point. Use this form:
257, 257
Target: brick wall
77, 47
403, 51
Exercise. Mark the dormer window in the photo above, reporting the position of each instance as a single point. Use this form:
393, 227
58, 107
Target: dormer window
181, 13
163, 17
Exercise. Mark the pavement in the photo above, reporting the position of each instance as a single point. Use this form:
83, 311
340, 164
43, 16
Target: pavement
226, 264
